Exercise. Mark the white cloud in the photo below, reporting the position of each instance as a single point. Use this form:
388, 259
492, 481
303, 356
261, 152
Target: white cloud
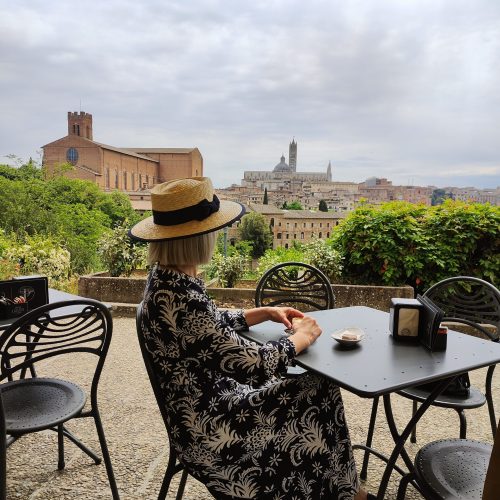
394, 89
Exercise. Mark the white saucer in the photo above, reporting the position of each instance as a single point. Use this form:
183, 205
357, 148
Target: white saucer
360, 334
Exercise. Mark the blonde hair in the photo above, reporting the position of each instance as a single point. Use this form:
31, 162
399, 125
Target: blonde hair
183, 252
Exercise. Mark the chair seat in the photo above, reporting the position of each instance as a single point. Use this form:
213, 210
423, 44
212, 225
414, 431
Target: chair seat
35, 404
453, 468
475, 399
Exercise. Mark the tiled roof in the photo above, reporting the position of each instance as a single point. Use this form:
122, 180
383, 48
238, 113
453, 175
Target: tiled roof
160, 150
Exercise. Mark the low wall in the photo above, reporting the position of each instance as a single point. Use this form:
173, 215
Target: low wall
101, 286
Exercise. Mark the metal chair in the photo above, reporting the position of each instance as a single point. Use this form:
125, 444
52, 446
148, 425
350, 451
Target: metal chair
174, 466
34, 404
295, 284
455, 468
472, 302
298, 285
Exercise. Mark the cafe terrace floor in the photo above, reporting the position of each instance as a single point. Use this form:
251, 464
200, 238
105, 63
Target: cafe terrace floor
138, 441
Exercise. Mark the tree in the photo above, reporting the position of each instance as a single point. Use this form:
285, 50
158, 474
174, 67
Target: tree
323, 207
266, 200
254, 228
294, 205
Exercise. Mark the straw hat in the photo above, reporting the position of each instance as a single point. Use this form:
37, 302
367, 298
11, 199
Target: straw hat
183, 208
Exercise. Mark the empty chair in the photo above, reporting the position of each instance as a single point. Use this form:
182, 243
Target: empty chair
295, 284
455, 469
298, 285
474, 303
38, 403
174, 466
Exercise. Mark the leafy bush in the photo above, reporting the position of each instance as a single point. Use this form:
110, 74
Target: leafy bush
228, 269
320, 254
400, 243
277, 256
40, 255
119, 253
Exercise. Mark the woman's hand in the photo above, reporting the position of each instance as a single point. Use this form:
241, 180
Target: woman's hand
305, 332
284, 315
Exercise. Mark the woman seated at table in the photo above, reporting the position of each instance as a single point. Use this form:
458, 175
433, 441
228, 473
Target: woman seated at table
240, 428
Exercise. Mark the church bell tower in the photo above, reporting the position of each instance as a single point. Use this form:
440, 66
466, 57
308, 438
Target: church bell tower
80, 124
292, 156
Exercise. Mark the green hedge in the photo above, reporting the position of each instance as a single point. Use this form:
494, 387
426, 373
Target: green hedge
400, 243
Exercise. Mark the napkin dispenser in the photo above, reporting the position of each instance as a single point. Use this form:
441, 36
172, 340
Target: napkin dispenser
405, 319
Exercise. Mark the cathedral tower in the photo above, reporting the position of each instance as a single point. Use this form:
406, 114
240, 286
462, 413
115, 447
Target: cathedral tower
329, 172
292, 156
80, 124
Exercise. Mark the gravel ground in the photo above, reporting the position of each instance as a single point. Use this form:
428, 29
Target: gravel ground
138, 441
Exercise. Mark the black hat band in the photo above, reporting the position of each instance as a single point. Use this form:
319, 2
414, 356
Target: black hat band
199, 212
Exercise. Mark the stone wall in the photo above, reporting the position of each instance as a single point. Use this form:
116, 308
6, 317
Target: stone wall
102, 287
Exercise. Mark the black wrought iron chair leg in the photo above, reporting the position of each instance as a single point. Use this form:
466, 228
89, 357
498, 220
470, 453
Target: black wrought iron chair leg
489, 399
77, 442
169, 474
182, 484
413, 437
463, 424
369, 438
60, 447
105, 454
403, 485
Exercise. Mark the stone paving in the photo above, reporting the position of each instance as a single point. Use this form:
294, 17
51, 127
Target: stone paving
138, 441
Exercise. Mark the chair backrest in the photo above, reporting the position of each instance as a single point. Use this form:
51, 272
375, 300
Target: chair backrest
468, 300
295, 284
148, 362
70, 326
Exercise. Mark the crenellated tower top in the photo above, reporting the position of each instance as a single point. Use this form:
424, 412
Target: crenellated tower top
80, 123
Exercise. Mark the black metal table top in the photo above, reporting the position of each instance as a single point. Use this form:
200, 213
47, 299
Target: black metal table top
54, 296
379, 365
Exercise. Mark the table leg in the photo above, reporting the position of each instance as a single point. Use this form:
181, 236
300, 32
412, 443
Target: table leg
400, 439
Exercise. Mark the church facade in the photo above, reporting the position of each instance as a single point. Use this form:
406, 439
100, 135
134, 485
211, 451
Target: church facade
284, 177
130, 170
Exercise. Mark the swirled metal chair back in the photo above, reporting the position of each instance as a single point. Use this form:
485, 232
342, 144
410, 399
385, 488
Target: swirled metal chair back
37, 336
468, 300
295, 284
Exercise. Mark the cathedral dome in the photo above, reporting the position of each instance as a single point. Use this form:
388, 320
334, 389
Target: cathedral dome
282, 166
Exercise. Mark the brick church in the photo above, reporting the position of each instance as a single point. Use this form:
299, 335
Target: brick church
132, 170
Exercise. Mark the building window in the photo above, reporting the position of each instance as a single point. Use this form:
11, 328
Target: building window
295, 225
286, 245
272, 221
116, 179
287, 236
107, 178
140, 181
320, 224
133, 181
301, 236
125, 180
320, 235
336, 222
327, 224
312, 224
327, 235
147, 181
279, 224
72, 156
278, 236
294, 236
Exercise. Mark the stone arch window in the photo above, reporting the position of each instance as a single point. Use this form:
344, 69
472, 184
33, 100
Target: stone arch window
132, 181
124, 180
301, 236
272, 221
286, 245
320, 235
106, 177
294, 236
327, 235
140, 182
287, 236
278, 236
116, 179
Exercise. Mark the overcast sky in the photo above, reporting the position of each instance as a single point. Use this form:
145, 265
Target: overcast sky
403, 89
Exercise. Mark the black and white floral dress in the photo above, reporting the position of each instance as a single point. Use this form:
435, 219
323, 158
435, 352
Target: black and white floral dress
242, 430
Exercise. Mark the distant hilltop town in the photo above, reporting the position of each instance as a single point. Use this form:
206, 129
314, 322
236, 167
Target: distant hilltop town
134, 170
284, 185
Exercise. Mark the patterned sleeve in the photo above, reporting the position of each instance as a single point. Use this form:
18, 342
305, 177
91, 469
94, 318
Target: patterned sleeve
211, 338
235, 318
